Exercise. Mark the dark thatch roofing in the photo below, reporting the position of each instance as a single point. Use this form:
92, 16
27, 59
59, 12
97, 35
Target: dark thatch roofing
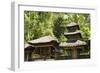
72, 24
45, 39
72, 33
73, 44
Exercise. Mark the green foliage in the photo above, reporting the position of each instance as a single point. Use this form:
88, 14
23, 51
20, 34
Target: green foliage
37, 24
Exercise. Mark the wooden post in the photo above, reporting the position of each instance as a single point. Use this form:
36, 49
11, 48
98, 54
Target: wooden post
74, 53
40, 53
49, 52
27, 56
55, 53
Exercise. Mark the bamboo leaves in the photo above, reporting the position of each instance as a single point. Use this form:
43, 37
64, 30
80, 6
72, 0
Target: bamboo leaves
37, 24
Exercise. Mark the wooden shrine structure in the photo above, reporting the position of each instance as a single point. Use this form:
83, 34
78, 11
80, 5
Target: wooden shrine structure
48, 47
42, 48
74, 41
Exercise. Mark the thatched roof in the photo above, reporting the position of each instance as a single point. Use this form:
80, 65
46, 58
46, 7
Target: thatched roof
72, 24
45, 39
72, 33
72, 44
26, 45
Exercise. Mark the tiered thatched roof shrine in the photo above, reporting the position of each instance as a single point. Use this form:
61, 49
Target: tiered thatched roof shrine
74, 37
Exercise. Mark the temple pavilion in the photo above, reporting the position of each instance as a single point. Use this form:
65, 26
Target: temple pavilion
48, 47
74, 42
41, 48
